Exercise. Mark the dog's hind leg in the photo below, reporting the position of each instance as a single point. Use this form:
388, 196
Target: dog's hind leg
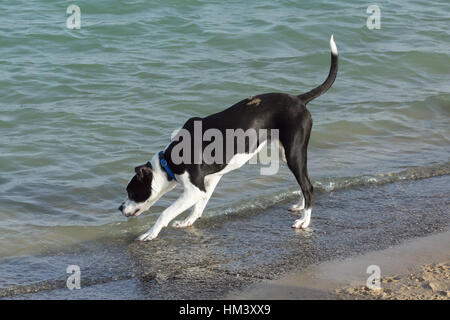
297, 163
301, 202
210, 184
299, 169
298, 206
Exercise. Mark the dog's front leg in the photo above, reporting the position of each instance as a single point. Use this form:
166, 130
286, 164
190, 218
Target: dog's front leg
195, 214
185, 201
210, 184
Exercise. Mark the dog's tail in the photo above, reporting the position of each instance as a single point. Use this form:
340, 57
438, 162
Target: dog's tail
314, 93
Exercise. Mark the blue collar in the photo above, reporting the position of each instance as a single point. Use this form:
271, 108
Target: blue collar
163, 163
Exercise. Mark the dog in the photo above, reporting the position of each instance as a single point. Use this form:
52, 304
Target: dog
285, 112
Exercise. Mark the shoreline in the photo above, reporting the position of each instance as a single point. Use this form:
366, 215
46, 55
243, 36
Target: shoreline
416, 269
232, 253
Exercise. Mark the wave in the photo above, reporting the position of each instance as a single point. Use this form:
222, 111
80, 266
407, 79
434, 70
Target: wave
335, 184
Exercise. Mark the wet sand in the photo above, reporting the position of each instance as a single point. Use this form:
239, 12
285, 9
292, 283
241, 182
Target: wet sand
224, 257
412, 270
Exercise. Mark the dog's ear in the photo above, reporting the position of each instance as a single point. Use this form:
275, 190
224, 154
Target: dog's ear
143, 171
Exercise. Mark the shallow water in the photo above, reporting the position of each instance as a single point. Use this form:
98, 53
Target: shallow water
79, 109
227, 252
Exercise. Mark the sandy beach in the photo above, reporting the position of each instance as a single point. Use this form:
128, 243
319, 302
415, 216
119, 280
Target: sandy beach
432, 282
418, 269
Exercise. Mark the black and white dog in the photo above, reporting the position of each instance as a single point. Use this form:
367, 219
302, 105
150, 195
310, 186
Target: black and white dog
281, 111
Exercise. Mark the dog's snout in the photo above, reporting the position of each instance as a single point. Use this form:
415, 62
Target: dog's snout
121, 207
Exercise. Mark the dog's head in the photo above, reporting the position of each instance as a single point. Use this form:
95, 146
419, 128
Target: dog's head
139, 191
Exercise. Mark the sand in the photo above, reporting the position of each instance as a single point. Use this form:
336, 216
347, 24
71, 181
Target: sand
416, 269
431, 283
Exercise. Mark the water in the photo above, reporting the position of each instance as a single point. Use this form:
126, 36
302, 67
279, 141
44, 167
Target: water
79, 109
227, 252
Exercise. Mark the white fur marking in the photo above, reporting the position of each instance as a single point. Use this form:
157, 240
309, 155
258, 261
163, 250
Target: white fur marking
282, 151
239, 159
303, 223
334, 49
299, 206
211, 182
190, 196
160, 186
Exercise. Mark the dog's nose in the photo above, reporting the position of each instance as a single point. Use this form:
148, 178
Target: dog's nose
121, 207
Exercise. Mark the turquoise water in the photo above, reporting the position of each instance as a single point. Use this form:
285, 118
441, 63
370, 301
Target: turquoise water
79, 109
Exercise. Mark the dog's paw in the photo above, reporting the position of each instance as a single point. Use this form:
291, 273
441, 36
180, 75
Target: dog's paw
296, 208
182, 224
146, 237
300, 224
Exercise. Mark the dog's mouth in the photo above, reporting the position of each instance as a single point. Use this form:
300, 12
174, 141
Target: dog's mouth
131, 214
134, 214
136, 209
